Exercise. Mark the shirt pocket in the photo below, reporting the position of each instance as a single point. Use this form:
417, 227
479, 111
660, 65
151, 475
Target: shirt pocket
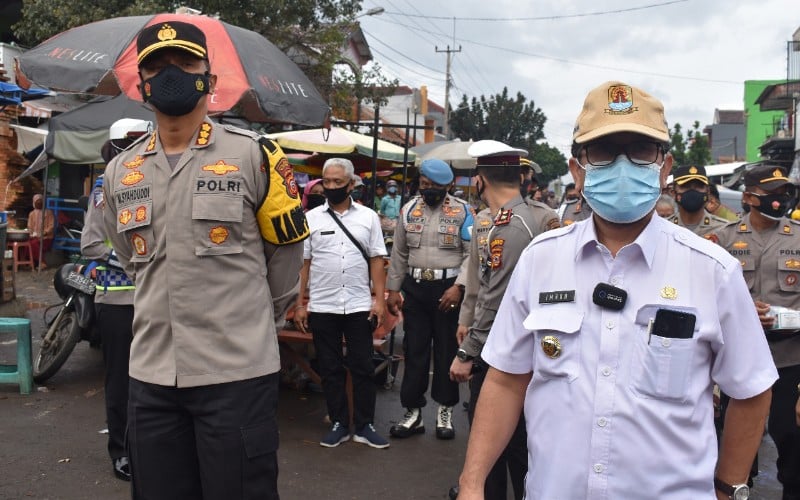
135, 221
660, 366
413, 240
217, 223
788, 274
558, 348
448, 236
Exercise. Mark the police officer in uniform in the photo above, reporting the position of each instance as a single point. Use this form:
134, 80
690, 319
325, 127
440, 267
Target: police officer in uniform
210, 223
767, 244
430, 245
690, 190
575, 208
500, 234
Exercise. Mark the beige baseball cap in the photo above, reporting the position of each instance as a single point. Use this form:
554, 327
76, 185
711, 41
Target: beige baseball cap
618, 107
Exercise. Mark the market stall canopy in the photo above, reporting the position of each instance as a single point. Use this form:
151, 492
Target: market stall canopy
256, 80
339, 141
28, 138
14, 95
453, 152
77, 136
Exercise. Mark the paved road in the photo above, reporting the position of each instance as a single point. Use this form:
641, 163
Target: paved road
51, 446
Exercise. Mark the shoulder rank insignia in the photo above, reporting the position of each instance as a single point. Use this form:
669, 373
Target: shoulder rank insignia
554, 223
787, 229
743, 227
151, 144
706, 221
503, 218
221, 168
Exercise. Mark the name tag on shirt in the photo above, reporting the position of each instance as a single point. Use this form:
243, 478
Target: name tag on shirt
323, 233
557, 296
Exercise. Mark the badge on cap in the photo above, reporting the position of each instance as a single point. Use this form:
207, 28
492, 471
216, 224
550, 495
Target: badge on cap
620, 99
551, 346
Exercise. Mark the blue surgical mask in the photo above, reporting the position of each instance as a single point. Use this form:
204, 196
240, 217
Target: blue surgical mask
622, 192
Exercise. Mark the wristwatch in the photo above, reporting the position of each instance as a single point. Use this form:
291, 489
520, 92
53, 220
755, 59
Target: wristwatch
462, 355
735, 491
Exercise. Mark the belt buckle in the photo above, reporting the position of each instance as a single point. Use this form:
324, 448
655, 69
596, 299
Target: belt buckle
427, 274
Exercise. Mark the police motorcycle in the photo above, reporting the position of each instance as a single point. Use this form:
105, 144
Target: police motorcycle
73, 321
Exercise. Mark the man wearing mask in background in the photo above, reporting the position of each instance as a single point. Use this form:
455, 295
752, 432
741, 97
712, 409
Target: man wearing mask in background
313, 195
431, 243
690, 190
767, 244
209, 217
573, 209
613, 355
499, 235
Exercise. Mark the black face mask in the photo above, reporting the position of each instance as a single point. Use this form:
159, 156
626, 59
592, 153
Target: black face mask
433, 197
692, 200
336, 196
175, 92
314, 200
357, 194
480, 187
774, 206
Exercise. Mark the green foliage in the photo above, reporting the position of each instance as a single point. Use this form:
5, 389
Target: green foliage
351, 88
516, 122
692, 150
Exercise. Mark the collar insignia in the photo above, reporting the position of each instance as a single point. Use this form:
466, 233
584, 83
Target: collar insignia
742, 227
204, 135
151, 144
787, 229
221, 168
503, 217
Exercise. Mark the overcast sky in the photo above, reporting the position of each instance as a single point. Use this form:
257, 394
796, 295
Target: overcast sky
694, 55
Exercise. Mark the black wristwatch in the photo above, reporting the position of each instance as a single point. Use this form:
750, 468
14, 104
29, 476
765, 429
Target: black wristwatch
734, 492
462, 355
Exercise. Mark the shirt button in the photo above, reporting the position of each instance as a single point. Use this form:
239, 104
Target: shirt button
606, 371
598, 468
666, 342
602, 422
610, 325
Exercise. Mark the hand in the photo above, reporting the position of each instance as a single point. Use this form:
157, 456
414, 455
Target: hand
394, 302
461, 333
450, 299
762, 308
460, 371
301, 318
379, 311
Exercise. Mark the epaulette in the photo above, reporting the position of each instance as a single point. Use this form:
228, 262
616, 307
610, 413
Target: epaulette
795, 221
705, 246
711, 217
249, 133
537, 204
553, 233
674, 219
503, 217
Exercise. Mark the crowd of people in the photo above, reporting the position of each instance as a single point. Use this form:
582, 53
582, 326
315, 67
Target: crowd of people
592, 333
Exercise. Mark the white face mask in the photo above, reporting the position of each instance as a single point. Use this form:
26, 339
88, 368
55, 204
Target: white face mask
622, 192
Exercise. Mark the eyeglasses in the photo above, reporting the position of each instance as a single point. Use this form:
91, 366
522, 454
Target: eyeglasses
602, 154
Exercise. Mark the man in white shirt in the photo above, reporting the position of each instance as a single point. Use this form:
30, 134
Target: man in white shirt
337, 272
614, 355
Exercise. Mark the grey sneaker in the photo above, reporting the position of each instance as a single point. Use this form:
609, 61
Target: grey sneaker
336, 436
368, 436
411, 423
444, 423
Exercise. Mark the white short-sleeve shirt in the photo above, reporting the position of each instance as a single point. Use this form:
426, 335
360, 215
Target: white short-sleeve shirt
338, 279
620, 412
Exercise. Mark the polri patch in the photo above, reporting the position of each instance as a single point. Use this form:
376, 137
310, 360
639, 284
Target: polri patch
557, 296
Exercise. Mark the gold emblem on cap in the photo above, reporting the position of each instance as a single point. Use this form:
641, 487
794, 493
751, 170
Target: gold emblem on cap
693, 170
551, 346
167, 32
669, 292
777, 173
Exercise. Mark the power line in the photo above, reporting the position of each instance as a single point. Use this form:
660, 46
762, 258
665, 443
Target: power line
398, 52
544, 18
403, 66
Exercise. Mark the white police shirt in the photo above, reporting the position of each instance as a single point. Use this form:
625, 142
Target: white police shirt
618, 413
338, 279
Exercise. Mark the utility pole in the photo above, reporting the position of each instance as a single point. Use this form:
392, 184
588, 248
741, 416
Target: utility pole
449, 51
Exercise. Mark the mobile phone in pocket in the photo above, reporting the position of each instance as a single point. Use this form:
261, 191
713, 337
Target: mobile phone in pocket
674, 324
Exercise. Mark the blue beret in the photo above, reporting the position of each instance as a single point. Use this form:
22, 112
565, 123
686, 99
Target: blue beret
437, 171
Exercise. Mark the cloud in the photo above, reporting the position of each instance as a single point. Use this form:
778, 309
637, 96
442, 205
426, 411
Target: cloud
694, 55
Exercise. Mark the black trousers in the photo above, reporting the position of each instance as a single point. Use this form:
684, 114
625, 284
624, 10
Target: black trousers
513, 460
214, 442
328, 331
115, 325
424, 323
783, 429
